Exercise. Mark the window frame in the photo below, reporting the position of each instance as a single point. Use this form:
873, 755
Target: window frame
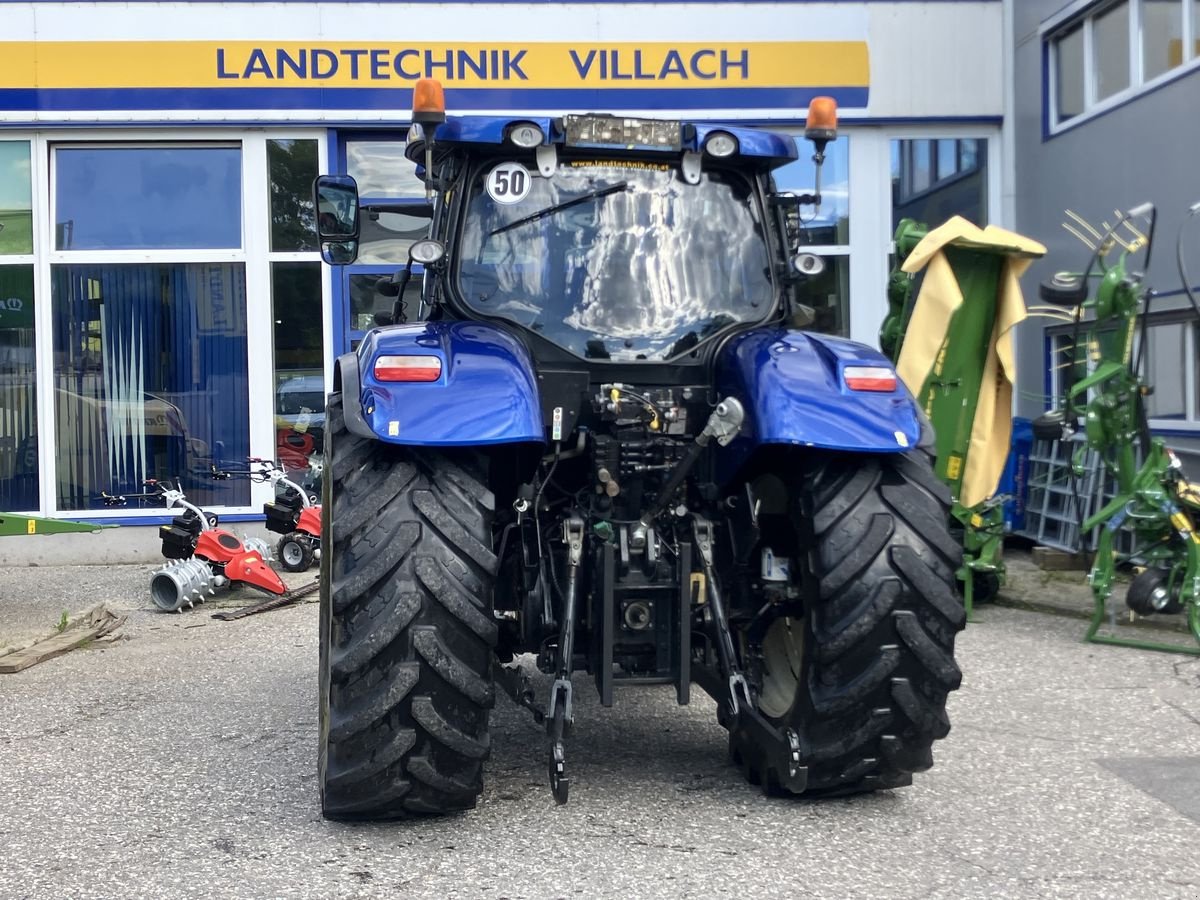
1084, 13
274, 257
254, 254
841, 250
349, 337
30, 260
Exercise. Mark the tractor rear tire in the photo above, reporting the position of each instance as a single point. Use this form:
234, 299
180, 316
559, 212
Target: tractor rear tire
406, 627
862, 679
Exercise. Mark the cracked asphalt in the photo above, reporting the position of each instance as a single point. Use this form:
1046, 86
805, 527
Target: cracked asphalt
179, 761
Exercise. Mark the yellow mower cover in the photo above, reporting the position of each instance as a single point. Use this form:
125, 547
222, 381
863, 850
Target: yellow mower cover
929, 327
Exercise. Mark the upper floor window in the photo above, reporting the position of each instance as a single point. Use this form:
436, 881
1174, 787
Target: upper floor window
1112, 50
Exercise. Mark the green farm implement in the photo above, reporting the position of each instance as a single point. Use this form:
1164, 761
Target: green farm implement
11, 524
1107, 402
952, 344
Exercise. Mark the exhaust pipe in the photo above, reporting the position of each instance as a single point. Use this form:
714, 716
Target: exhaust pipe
181, 581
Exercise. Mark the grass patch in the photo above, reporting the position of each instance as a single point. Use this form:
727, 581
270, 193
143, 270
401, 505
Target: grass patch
17, 236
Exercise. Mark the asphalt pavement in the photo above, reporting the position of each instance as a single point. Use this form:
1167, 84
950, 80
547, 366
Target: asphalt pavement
180, 761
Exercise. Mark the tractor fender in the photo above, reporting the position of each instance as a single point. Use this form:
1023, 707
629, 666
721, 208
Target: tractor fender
792, 387
486, 392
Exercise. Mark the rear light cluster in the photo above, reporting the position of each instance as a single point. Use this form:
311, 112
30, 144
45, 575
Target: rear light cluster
870, 378
408, 368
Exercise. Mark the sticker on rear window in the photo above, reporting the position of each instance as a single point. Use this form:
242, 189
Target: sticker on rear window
509, 182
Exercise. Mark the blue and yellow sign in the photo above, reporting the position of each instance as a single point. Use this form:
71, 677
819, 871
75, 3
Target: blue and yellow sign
340, 76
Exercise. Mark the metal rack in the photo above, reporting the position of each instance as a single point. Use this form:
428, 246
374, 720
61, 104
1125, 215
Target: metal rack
1058, 501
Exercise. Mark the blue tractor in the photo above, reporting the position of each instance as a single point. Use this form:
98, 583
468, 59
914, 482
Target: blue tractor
605, 440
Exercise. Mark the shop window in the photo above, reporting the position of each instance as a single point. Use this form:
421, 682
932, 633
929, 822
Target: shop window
1110, 51
299, 366
919, 166
150, 380
18, 391
135, 198
828, 295
947, 159
381, 169
292, 167
827, 228
386, 178
959, 188
830, 225
369, 308
968, 155
16, 199
386, 236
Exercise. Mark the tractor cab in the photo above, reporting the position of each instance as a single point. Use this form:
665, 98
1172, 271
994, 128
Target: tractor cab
599, 238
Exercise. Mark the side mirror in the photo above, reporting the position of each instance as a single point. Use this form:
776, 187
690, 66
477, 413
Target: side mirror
339, 253
335, 198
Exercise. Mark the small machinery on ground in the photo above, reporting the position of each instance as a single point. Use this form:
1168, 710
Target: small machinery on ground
1106, 400
292, 514
203, 557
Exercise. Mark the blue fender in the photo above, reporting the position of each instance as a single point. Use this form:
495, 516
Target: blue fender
486, 394
791, 385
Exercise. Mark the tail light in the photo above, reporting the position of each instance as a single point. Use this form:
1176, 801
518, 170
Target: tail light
870, 378
408, 368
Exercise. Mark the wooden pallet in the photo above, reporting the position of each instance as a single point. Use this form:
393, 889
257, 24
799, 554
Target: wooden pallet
96, 622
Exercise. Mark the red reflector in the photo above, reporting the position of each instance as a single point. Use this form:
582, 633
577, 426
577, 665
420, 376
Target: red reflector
870, 378
408, 368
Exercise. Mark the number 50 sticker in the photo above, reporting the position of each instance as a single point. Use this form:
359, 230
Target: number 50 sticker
509, 182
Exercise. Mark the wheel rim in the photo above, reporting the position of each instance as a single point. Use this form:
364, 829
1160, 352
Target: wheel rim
783, 653
293, 553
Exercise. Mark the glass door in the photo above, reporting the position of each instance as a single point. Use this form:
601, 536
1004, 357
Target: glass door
389, 189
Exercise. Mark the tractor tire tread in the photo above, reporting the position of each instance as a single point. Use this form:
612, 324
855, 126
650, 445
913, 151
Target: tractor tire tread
407, 631
871, 695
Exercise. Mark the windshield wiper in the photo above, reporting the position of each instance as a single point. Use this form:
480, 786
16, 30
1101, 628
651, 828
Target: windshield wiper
559, 207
